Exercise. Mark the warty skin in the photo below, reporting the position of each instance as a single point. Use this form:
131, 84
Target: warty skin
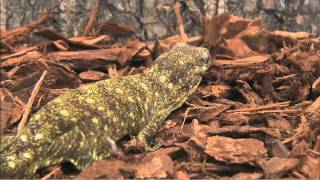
80, 126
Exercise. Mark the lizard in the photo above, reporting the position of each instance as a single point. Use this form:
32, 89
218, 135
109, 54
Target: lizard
80, 126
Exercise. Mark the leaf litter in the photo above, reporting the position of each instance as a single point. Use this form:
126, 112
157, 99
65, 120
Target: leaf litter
255, 115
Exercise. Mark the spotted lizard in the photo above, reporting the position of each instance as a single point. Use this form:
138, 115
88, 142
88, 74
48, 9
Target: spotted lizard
80, 126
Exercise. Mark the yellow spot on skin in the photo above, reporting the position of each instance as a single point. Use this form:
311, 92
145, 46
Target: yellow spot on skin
81, 98
114, 119
11, 158
133, 124
11, 164
146, 106
58, 100
109, 113
94, 155
144, 86
162, 78
130, 99
38, 136
23, 138
27, 155
181, 62
118, 90
131, 115
81, 144
37, 117
101, 108
89, 100
138, 99
156, 94
73, 119
95, 120
170, 86
64, 112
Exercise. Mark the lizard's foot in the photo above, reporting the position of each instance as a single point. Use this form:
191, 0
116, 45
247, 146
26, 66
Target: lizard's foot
150, 145
133, 145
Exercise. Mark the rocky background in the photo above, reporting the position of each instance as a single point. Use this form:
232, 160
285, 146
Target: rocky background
156, 18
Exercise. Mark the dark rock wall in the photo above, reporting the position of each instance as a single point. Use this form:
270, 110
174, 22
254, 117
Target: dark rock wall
156, 18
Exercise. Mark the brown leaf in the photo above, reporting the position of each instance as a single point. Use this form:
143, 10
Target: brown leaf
236, 151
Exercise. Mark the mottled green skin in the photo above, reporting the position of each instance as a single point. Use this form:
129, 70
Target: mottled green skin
80, 126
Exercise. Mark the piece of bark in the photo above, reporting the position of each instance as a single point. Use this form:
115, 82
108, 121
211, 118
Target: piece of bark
9, 36
91, 76
91, 19
103, 169
277, 167
249, 95
152, 166
20, 52
242, 63
235, 151
243, 131
53, 35
6, 108
310, 166
114, 29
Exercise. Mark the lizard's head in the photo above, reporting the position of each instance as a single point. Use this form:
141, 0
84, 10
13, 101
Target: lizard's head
183, 65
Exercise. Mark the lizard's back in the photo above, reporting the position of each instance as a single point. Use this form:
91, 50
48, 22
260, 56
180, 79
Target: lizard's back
80, 126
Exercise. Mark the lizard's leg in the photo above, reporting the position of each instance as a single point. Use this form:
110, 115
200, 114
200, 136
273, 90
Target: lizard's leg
148, 133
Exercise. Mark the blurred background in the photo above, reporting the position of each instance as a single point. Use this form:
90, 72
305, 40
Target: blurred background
156, 18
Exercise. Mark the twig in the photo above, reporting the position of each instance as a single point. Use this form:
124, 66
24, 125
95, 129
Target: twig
55, 170
183, 35
91, 19
184, 119
30, 102
262, 107
112, 71
287, 111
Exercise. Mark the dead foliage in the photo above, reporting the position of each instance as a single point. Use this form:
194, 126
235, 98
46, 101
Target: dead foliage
255, 115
